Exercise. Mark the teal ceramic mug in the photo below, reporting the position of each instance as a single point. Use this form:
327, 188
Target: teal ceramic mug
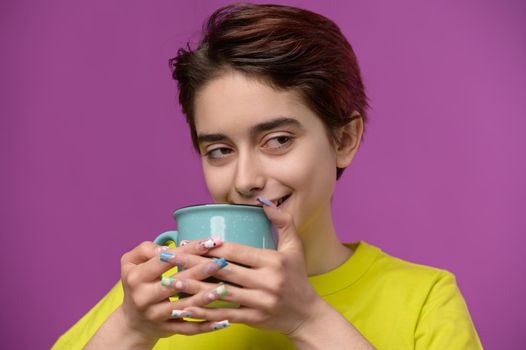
238, 223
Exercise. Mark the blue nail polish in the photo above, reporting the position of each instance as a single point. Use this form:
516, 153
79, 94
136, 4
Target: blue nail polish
165, 257
265, 201
220, 262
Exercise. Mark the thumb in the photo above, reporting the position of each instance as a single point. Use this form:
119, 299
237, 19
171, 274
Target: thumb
284, 223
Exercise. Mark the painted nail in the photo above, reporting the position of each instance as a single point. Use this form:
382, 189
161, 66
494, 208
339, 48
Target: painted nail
215, 265
183, 243
165, 257
181, 313
179, 284
265, 201
178, 260
217, 293
219, 325
221, 262
211, 242
167, 281
162, 248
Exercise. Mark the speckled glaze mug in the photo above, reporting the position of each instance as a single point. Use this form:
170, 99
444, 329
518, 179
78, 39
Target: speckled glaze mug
238, 223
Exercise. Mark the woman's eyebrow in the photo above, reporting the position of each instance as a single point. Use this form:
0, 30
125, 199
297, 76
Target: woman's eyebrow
274, 123
256, 129
201, 138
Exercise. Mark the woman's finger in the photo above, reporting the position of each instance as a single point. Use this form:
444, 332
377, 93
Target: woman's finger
187, 282
138, 255
206, 293
244, 255
288, 238
172, 286
193, 328
162, 262
204, 269
251, 298
240, 315
173, 311
151, 260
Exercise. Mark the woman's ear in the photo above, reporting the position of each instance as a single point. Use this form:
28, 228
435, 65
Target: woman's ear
347, 140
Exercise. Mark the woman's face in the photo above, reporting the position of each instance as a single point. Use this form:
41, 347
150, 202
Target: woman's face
258, 141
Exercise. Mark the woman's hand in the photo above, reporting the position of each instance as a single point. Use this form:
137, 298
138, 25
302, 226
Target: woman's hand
276, 293
146, 313
146, 305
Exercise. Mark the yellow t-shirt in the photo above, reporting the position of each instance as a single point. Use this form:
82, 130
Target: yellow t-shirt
393, 303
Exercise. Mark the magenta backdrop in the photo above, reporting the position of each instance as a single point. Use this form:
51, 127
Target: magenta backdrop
95, 154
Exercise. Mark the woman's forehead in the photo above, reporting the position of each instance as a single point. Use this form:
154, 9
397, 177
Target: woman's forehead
243, 101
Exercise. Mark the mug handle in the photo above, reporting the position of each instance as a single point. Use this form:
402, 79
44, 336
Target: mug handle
167, 238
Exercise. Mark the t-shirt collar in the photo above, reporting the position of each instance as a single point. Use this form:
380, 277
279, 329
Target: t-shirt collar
347, 273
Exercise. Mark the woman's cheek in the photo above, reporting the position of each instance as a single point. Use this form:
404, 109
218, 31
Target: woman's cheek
218, 182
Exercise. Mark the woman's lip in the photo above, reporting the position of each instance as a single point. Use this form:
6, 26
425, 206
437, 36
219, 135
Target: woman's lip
275, 201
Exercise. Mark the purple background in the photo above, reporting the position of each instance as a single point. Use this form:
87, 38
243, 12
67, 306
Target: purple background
95, 154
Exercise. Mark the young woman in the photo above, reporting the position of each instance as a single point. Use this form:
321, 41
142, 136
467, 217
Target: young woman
276, 108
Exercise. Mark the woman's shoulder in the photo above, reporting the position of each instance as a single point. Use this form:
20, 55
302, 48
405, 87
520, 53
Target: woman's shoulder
394, 280
417, 302
390, 268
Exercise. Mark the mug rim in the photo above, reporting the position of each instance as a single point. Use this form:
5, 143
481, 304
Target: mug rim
216, 205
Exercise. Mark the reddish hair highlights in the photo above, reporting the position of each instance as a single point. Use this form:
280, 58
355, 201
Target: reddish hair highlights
286, 47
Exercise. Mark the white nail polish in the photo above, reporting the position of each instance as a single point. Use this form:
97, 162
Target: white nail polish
220, 325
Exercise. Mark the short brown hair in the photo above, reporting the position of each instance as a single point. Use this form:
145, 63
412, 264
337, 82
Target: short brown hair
286, 47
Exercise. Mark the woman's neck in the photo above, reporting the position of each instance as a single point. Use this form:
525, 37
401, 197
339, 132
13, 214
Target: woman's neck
322, 248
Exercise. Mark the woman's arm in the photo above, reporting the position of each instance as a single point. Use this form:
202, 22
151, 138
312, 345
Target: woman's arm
116, 335
327, 329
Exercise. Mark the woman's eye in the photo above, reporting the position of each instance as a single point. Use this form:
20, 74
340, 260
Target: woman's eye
218, 153
278, 142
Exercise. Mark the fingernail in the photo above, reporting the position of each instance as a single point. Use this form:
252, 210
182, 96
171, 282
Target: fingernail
181, 313
215, 265
177, 260
221, 262
265, 201
180, 261
183, 243
179, 284
211, 242
165, 257
219, 325
162, 248
167, 281
217, 293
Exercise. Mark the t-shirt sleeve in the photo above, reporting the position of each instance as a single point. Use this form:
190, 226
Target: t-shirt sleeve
444, 321
78, 335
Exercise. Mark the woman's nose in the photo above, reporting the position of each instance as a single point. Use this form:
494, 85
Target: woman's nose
249, 179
